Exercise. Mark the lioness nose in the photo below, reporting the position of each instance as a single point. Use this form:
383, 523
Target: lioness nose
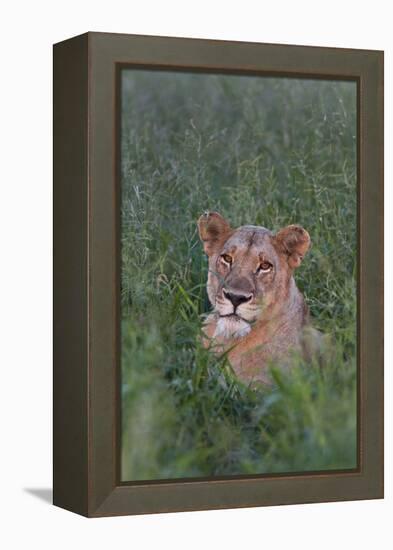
237, 299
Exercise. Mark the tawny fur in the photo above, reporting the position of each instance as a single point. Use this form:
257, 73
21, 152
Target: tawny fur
256, 266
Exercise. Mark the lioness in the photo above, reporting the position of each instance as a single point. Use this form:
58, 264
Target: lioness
259, 314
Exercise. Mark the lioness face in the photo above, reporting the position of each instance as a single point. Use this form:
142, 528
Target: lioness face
250, 270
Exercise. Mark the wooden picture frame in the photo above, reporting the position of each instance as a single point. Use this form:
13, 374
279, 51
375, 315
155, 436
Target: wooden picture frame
86, 274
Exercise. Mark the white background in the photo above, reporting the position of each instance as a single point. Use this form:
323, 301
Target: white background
28, 30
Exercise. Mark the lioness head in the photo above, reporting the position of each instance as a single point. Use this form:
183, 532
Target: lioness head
250, 270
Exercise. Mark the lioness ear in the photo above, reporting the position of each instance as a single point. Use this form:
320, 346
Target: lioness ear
214, 230
294, 241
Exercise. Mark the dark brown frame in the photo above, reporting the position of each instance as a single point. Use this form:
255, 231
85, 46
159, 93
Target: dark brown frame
86, 274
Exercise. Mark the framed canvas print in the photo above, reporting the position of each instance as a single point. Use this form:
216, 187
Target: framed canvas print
218, 274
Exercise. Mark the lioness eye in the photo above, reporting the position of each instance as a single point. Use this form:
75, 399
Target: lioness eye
227, 258
264, 267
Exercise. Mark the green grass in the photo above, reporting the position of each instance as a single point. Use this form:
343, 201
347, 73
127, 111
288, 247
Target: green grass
266, 151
